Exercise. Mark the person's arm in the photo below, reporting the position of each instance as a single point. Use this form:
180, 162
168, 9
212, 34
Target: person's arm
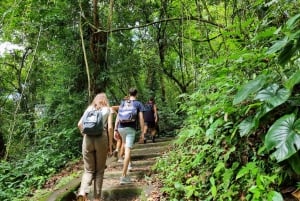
141, 120
116, 132
79, 124
110, 131
115, 108
155, 113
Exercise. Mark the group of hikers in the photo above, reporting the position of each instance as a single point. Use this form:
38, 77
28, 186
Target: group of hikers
112, 138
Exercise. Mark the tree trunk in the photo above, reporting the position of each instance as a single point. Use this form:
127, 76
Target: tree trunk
98, 48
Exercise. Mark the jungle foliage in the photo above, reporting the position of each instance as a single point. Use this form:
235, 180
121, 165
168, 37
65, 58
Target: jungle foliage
229, 69
241, 137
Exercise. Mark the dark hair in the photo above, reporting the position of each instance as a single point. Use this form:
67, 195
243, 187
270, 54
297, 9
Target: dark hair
132, 91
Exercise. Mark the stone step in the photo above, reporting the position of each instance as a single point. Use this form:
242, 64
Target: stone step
143, 157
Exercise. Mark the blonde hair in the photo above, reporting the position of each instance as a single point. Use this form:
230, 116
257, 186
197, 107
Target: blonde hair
100, 101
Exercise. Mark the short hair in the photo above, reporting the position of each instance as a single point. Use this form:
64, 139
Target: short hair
132, 91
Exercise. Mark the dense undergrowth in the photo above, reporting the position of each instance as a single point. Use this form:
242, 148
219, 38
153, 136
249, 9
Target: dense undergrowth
240, 140
21, 177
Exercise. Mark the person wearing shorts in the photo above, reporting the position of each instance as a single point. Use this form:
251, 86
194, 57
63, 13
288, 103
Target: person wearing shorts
128, 132
150, 121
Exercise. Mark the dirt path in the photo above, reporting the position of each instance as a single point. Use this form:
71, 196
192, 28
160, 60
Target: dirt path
143, 157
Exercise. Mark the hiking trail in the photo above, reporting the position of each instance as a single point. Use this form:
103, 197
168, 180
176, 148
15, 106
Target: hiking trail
143, 157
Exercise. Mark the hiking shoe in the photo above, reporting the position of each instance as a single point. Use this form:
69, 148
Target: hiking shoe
145, 141
125, 180
120, 160
153, 139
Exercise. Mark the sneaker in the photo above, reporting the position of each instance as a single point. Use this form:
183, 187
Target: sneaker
120, 160
130, 166
125, 180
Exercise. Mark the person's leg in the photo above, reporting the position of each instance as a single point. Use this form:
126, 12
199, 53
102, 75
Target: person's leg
119, 144
122, 151
118, 148
101, 147
153, 132
88, 154
128, 136
123, 135
111, 137
143, 134
126, 161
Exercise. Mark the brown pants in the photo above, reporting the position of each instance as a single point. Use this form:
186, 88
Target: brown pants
94, 152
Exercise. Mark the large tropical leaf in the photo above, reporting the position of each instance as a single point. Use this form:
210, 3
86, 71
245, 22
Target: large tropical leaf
294, 161
283, 136
210, 132
273, 95
249, 88
251, 123
246, 126
293, 80
292, 22
279, 45
287, 53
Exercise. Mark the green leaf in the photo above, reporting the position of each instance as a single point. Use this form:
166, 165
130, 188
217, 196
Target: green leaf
293, 80
249, 88
273, 95
246, 126
178, 186
267, 33
287, 53
292, 21
246, 170
278, 45
283, 137
251, 123
219, 167
275, 196
294, 161
213, 187
213, 127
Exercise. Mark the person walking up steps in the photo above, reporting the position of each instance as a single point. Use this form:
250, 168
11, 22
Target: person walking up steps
95, 146
150, 120
119, 151
130, 111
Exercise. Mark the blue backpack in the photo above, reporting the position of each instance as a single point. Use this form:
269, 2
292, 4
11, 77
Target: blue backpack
127, 112
92, 122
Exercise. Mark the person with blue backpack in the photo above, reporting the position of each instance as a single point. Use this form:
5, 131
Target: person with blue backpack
130, 112
94, 126
150, 121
